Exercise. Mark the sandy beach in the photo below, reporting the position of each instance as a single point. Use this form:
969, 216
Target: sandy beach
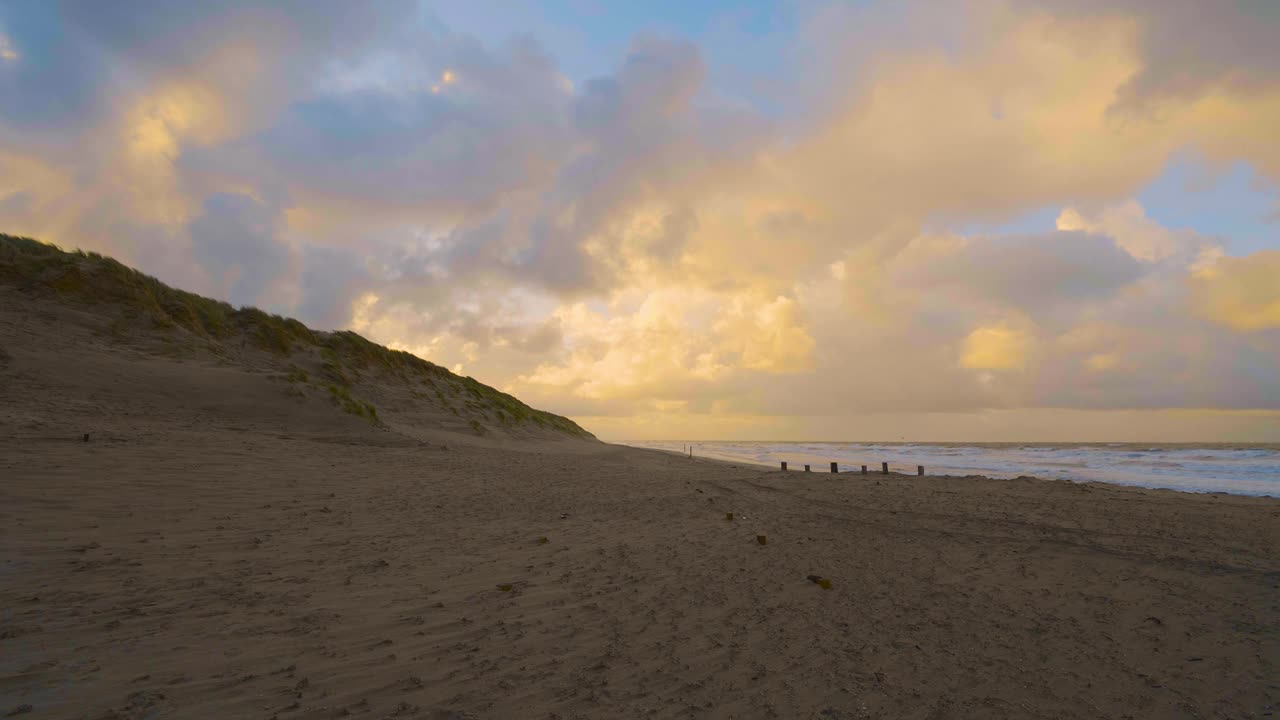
257, 576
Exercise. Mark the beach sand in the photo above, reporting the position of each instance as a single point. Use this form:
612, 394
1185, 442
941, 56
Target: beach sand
214, 552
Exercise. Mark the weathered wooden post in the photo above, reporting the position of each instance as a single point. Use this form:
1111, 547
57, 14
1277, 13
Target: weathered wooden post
806, 468
919, 469
884, 468
864, 469
833, 468
784, 465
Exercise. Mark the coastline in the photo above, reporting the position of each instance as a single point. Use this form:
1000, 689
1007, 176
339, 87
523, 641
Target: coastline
1233, 468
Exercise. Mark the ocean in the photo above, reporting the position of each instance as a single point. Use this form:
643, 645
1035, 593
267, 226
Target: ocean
1242, 469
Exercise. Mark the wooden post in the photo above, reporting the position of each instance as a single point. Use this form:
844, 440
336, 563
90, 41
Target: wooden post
864, 469
919, 469
784, 465
884, 468
86, 437
833, 468
806, 468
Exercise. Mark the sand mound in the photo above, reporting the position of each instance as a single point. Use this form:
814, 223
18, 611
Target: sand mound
142, 349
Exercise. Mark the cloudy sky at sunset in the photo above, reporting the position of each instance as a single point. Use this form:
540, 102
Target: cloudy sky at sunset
1053, 220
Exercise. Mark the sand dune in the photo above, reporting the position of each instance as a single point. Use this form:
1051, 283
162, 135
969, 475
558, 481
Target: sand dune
223, 548
112, 339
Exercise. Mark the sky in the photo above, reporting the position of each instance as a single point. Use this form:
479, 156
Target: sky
986, 220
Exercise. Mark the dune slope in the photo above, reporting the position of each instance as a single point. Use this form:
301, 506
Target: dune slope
130, 336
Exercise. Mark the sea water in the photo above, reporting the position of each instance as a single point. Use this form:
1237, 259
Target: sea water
1248, 469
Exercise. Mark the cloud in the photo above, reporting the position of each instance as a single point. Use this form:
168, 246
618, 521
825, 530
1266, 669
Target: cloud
638, 244
995, 347
331, 282
1188, 48
7, 52
1030, 272
1242, 293
1141, 237
432, 156
235, 242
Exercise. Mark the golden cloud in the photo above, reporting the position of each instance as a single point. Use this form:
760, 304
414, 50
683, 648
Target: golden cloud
996, 347
1242, 293
7, 51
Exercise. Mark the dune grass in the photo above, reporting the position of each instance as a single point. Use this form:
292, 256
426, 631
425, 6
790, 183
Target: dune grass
90, 278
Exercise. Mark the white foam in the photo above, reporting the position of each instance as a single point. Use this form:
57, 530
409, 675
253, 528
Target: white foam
1247, 470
